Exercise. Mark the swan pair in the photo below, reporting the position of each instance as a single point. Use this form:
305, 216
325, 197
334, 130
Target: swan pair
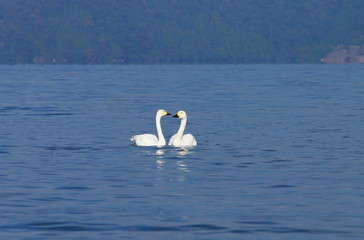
178, 140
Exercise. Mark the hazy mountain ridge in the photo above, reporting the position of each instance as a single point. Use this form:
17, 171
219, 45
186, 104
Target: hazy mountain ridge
171, 31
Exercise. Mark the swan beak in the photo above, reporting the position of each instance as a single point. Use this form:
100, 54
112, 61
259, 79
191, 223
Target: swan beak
176, 116
168, 113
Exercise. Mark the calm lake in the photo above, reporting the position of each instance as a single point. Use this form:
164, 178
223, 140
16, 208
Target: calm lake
280, 152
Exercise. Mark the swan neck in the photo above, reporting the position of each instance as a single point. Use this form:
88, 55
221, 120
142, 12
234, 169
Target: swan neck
182, 127
161, 139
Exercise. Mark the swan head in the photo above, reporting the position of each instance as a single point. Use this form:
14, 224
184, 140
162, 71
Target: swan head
181, 115
162, 113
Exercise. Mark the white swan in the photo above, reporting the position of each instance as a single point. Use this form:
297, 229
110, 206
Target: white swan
151, 139
180, 140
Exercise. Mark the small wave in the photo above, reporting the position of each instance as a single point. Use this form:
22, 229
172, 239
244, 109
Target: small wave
75, 226
281, 186
182, 228
51, 114
16, 205
37, 111
68, 148
75, 188
251, 227
203, 227
269, 150
14, 108
145, 228
320, 130
300, 230
278, 161
258, 222
66, 226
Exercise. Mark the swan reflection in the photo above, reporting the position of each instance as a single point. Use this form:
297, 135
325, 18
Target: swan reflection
182, 166
160, 163
183, 151
167, 155
160, 159
160, 152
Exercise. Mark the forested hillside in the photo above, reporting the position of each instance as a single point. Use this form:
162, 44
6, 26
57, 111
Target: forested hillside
176, 31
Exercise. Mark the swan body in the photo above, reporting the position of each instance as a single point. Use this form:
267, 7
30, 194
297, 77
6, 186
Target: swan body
179, 139
151, 139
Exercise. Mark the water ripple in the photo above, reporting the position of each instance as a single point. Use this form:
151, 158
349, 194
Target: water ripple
64, 226
281, 186
275, 145
75, 188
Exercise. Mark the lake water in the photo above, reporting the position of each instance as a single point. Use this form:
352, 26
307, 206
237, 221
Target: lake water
280, 152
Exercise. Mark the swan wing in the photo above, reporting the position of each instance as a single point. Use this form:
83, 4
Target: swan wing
188, 140
171, 141
144, 140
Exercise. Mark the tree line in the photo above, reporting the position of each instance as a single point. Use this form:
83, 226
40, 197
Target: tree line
173, 31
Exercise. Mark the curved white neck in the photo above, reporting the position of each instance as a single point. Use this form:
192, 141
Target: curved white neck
181, 128
161, 140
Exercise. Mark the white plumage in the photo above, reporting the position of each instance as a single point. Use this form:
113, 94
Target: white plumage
150, 139
179, 139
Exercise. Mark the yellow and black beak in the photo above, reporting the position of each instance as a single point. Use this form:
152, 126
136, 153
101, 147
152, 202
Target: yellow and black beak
167, 113
176, 116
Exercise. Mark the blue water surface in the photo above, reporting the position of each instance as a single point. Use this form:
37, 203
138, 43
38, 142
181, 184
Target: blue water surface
280, 152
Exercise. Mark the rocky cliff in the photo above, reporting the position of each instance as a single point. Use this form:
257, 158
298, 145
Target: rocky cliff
342, 54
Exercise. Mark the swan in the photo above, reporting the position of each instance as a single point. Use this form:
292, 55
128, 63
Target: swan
151, 139
178, 139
